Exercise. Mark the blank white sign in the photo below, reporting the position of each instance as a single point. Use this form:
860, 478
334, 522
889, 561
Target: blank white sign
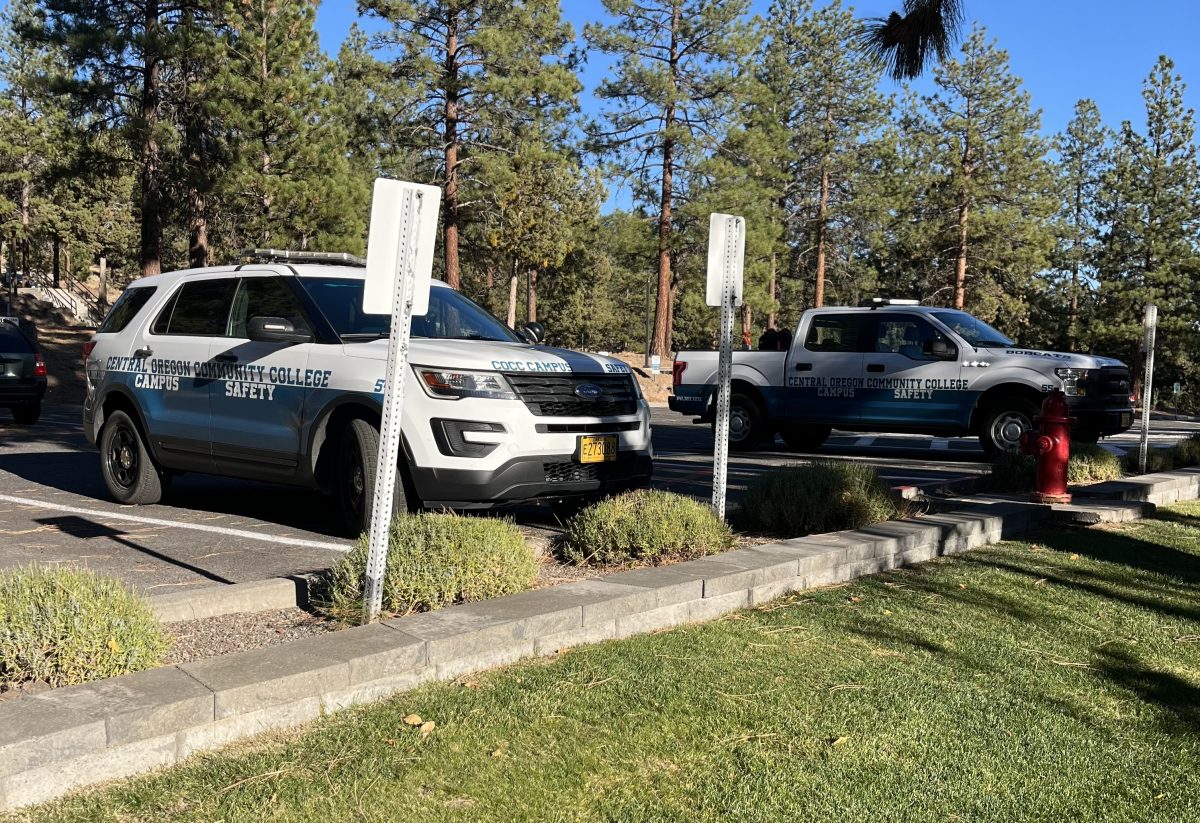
391, 227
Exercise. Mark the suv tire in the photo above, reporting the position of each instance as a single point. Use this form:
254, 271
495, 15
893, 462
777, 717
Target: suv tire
27, 413
128, 469
357, 464
1003, 424
804, 438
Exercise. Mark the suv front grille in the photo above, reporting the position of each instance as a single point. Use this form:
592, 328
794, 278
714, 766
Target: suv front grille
1114, 385
553, 395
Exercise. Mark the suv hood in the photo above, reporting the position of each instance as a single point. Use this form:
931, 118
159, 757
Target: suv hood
487, 355
1017, 356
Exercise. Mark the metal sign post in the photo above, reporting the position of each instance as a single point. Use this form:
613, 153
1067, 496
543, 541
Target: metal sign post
1151, 322
399, 265
726, 247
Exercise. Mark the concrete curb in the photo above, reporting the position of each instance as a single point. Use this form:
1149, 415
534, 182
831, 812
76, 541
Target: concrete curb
53, 742
215, 601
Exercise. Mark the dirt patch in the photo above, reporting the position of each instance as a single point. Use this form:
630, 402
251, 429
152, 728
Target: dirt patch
655, 387
215, 636
63, 349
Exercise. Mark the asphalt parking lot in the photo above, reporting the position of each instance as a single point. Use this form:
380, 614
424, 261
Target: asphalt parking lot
210, 531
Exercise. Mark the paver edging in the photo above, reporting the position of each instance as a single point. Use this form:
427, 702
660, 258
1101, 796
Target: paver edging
53, 742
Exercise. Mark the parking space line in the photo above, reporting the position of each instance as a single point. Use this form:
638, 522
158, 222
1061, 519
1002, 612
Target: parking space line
155, 521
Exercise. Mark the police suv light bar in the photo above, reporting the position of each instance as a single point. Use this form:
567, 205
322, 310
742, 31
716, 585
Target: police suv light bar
329, 258
876, 302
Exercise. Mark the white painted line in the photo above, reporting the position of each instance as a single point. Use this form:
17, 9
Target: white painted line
864, 441
154, 521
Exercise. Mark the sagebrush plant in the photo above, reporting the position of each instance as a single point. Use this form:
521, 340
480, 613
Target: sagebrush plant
1186, 452
435, 560
1090, 463
644, 527
819, 497
66, 626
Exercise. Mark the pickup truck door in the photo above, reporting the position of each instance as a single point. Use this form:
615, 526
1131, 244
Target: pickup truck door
910, 374
823, 368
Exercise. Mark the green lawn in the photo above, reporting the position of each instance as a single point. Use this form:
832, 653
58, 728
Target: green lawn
1054, 680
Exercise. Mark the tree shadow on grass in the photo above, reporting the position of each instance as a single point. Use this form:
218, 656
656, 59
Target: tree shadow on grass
1176, 699
1122, 549
1177, 517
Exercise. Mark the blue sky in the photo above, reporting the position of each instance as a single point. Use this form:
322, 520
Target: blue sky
1062, 49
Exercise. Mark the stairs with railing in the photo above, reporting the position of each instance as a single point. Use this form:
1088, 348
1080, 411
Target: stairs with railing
70, 296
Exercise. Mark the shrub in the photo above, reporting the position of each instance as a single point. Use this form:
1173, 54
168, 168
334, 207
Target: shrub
819, 497
1186, 452
1157, 460
435, 560
66, 626
1012, 472
644, 527
1090, 463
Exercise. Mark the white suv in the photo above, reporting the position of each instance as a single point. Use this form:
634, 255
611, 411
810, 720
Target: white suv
271, 371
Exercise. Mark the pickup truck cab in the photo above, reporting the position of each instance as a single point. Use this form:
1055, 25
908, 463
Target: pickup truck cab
272, 371
895, 366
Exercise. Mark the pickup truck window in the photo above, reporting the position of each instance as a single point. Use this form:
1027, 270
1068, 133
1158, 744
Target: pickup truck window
833, 332
908, 335
972, 329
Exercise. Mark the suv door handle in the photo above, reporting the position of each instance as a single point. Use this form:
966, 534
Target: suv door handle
226, 358
146, 352
875, 367
804, 367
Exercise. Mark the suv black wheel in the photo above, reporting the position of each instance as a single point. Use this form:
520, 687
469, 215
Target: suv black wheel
129, 471
1003, 424
357, 464
27, 413
804, 438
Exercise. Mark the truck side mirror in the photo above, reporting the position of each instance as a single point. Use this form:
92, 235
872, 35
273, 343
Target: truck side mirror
534, 332
276, 330
940, 350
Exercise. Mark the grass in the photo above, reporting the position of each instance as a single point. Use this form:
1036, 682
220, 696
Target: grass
1050, 680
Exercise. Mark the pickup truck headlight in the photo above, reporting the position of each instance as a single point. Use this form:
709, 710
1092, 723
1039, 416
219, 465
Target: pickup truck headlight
454, 385
1074, 381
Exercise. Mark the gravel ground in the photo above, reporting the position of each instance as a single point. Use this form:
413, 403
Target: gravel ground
213, 636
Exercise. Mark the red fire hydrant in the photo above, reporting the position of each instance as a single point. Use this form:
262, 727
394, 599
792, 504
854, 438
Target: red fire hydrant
1051, 445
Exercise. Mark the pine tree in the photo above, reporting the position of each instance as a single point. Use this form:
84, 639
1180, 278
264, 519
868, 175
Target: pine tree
980, 137
674, 87
1149, 253
1081, 165
482, 71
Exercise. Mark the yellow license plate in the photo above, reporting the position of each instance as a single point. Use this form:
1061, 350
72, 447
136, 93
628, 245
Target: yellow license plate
597, 448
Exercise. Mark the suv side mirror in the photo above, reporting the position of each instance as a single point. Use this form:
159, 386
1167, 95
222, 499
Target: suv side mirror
534, 332
276, 330
940, 350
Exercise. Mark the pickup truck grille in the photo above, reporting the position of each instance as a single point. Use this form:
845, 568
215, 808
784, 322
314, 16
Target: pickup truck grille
1114, 386
553, 395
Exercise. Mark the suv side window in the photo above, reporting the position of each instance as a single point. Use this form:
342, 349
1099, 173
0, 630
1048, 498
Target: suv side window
906, 334
833, 332
200, 309
265, 297
125, 309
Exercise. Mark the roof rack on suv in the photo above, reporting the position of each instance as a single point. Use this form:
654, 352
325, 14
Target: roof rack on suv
876, 302
329, 258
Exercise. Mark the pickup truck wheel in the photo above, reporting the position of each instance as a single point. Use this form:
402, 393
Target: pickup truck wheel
357, 464
804, 438
746, 426
125, 463
1004, 423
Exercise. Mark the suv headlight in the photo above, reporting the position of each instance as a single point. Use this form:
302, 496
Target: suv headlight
1074, 381
454, 385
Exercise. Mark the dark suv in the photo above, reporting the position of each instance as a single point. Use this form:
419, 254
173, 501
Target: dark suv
22, 371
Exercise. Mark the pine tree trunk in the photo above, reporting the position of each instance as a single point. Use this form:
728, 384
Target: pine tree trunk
747, 324
960, 268
771, 315
1073, 319
490, 275
151, 185
197, 230
822, 233
533, 279
102, 300
512, 297
450, 144
264, 205
662, 311
55, 245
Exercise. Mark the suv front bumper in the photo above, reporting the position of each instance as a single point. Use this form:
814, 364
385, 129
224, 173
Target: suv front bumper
1103, 421
537, 477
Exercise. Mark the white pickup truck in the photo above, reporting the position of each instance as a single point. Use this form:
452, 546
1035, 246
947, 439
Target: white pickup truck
895, 366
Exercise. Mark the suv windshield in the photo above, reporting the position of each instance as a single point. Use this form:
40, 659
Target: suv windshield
972, 329
451, 315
